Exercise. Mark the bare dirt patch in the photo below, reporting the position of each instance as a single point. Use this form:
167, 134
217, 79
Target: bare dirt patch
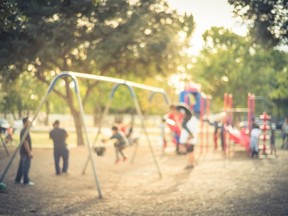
236, 185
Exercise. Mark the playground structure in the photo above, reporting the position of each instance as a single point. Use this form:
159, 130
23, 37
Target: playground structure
137, 106
74, 76
231, 133
199, 104
242, 137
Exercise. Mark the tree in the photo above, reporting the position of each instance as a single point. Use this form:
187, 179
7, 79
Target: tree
279, 85
112, 38
234, 64
22, 95
269, 26
267, 19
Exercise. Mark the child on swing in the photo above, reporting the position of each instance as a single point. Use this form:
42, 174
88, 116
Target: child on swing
120, 142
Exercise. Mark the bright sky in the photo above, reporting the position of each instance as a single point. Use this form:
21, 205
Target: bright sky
208, 13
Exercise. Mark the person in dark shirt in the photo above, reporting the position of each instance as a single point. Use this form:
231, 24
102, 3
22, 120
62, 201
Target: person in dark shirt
217, 127
186, 118
25, 154
59, 135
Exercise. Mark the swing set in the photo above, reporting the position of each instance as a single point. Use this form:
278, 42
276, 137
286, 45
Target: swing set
119, 82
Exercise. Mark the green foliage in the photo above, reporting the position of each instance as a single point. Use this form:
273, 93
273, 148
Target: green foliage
22, 96
114, 38
234, 64
108, 37
267, 19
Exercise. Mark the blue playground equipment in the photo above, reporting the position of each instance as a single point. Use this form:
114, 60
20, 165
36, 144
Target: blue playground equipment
192, 96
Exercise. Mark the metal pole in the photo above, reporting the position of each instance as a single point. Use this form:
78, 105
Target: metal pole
207, 126
86, 135
98, 133
114, 80
144, 129
202, 107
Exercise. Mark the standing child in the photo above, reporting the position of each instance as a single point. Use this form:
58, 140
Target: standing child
254, 140
120, 143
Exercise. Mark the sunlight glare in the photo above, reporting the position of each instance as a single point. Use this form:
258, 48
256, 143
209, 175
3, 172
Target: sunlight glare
208, 13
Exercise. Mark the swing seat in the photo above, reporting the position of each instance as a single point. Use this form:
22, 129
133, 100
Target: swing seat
100, 150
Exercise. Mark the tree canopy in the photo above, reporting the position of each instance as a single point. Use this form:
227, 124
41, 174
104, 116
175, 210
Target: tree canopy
235, 64
267, 19
119, 38
105, 37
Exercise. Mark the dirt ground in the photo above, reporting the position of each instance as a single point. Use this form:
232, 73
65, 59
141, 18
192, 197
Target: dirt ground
235, 185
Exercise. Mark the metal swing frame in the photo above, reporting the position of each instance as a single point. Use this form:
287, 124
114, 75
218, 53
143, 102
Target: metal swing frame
138, 110
74, 76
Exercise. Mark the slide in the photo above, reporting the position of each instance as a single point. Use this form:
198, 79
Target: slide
239, 137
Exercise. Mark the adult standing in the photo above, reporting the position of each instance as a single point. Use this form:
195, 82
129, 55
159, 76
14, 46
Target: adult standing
59, 135
25, 154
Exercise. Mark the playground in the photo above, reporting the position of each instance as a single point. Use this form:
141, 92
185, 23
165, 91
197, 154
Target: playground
224, 181
218, 185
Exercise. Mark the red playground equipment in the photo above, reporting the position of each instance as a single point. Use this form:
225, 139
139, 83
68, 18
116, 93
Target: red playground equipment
240, 137
198, 103
265, 128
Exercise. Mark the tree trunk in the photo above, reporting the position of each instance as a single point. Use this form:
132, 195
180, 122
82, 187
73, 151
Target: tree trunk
47, 109
78, 126
97, 115
75, 113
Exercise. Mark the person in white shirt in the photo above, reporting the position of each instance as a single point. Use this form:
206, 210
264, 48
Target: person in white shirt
254, 140
187, 141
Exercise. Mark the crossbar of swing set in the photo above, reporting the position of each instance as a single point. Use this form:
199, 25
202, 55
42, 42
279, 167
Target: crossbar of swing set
74, 76
115, 80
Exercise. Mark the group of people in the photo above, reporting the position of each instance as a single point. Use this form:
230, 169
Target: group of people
58, 135
184, 126
181, 121
255, 138
185, 136
255, 134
